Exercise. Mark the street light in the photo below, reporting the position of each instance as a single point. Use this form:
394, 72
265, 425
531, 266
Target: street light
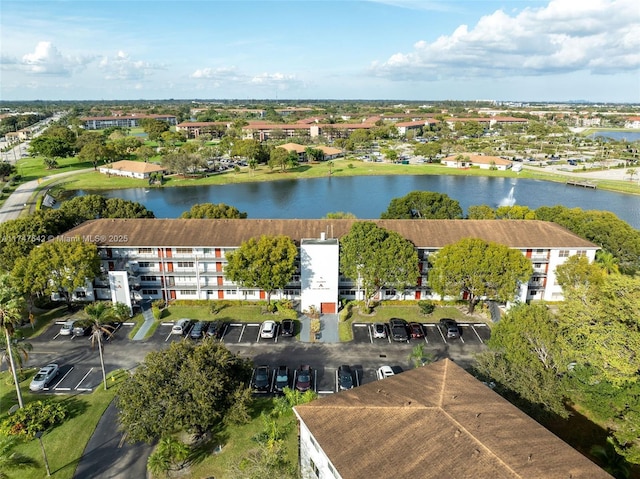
44, 454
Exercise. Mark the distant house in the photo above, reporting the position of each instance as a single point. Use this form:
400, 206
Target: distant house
330, 152
435, 421
133, 169
465, 160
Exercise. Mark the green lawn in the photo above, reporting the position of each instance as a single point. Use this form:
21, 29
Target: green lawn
252, 313
33, 168
64, 444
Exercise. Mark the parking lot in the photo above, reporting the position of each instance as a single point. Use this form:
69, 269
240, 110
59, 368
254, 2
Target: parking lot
434, 334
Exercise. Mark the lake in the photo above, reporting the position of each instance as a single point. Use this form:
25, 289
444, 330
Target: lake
368, 197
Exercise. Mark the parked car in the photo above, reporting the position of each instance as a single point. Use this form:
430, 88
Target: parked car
199, 329
82, 328
416, 331
398, 328
345, 378
384, 372
287, 327
215, 329
450, 327
181, 327
67, 327
268, 329
282, 379
261, 378
44, 377
303, 378
379, 331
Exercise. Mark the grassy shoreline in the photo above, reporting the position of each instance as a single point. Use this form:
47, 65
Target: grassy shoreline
337, 168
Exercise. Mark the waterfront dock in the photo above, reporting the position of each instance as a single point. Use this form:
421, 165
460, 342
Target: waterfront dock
584, 184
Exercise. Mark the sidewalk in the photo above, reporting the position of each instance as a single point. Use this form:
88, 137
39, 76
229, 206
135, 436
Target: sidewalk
328, 329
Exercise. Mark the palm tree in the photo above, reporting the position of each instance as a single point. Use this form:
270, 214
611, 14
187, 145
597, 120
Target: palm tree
611, 461
12, 460
99, 314
11, 308
20, 351
419, 357
608, 262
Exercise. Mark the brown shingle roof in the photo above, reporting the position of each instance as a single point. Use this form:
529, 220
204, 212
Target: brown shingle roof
437, 421
422, 233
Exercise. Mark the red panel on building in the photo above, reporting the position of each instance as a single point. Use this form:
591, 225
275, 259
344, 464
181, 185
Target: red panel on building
220, 294
218, 253
328, 308
218, 267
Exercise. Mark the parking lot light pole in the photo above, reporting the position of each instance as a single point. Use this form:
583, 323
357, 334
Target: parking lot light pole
44, 454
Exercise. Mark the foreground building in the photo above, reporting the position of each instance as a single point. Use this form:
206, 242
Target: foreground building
186, 258
435, 421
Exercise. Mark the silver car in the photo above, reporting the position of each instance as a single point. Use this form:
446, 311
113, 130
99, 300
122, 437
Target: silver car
44, 377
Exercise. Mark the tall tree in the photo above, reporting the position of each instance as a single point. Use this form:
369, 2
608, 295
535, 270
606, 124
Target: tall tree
377, 258
11, 313
423, 205
19, 350
268, 263
206, 376
477, 268
213, 211
99, 315
58, 267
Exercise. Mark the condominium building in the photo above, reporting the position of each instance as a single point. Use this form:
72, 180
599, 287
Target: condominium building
130, 121
186, 258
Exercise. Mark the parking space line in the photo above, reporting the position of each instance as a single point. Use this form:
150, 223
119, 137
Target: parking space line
424, 326
242, 332
370, 333
63, 389
168, 336
474, 330
83, 378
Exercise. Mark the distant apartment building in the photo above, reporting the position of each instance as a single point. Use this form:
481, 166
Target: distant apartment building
124, 121
186, 258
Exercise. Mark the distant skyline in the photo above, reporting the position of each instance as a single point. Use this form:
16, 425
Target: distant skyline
510, 50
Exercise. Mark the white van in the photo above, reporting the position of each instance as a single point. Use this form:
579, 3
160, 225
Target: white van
181, 327
67, 327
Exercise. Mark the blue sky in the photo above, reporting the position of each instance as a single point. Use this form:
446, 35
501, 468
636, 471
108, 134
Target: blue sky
520, 50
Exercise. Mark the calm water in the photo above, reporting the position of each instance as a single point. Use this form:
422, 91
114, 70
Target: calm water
369, 196
630, 136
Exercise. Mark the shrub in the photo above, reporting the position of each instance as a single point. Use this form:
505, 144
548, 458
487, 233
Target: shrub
426, 306
158, 303
35, 416
157, 312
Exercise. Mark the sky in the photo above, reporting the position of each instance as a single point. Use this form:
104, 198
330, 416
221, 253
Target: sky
417, 50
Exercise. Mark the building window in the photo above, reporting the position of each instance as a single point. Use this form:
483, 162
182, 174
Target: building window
150, 292
146, 264
537, 265
185, 264
230, 292
333, 471
314, 468
189, 292
145, 250
581, 253
563, 253
80, 294
149, 278
184, 250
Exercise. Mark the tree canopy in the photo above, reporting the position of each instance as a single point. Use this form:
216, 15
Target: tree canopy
213, 211
89, 207
423, 205
478, 269
377, 258
189, 386
268, 263
58, 267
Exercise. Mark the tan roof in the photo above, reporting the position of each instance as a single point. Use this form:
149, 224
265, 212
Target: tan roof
293, 147
134, 166
329, 150
483, 159
437, 421
432, 234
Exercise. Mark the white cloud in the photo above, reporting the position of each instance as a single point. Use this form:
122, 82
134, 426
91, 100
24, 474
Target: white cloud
599, 36
220, 76
277, 80
217, 77
46, 59
122, 67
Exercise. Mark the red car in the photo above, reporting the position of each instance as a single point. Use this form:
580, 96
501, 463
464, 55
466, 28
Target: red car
416, 331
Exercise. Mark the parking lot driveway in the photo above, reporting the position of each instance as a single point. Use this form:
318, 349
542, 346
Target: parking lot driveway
79, 377
362, 333
241, 333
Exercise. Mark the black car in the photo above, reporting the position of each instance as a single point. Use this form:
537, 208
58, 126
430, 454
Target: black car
287, 327
450, 327
261, 376
398, 328
345, 378
282, 379
199, 330
214, 330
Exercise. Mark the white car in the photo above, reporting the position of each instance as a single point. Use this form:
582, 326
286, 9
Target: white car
268, 329
379, 331
44, 377
67, 328
384, 372
181, 326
